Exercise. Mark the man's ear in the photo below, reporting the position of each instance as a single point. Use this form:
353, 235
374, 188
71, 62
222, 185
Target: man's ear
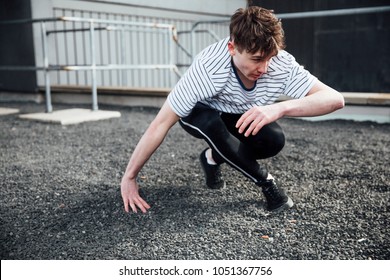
232, 48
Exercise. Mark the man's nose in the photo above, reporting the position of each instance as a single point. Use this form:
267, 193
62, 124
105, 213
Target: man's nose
262, 68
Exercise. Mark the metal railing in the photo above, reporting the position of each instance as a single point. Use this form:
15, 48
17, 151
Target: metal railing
171, 43
95, 25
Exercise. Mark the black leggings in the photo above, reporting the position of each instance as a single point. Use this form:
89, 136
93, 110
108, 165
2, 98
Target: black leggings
242, 153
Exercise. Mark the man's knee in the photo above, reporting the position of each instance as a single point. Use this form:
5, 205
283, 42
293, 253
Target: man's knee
204, 121
278, 143
270, 141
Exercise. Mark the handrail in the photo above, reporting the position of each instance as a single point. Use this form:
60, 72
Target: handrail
89, 20
112, 25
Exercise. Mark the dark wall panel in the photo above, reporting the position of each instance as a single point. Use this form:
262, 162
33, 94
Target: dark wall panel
16, 47
350, 53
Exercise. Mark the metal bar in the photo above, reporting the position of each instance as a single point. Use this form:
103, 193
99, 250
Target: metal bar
193, 40
85, 52
75, 52
79, 19
117, 57
56, 51
23, 68
93, 63
177, 72
66, 51
184, 49
123, 58
197, 31
154, 25
143, 29
323, 13
28, 20
212, 34
100, 44
89, 68
171, 54
145, 40
49, 107
109, 52
137, 45
74, 30
115, 67
340, 12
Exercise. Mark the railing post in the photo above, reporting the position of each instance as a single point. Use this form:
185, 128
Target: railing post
193, 40
172, 38
93, 64
49, 107
123, 57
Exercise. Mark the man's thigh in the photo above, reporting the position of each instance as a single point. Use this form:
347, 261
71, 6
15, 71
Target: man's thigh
267, 142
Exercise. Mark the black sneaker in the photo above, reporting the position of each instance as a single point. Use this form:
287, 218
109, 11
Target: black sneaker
277, 200
212, 172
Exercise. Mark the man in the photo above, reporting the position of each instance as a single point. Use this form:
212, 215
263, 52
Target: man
227, 97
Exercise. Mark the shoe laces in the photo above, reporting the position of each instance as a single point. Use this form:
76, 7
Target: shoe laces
217, 174
271, 190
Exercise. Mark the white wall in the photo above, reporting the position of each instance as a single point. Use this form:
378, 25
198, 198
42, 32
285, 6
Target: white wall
183, 9
141, 48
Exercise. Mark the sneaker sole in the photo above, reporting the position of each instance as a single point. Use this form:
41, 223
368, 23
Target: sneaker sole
217, 188
289, 203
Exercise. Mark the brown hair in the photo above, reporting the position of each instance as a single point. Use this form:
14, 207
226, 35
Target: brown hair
256, 29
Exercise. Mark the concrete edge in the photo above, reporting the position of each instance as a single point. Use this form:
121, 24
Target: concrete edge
71, 116
8, 111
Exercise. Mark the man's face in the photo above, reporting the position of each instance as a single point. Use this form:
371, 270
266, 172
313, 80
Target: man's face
250, 66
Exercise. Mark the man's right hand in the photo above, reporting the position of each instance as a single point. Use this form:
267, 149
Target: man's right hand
149, 142
131, 197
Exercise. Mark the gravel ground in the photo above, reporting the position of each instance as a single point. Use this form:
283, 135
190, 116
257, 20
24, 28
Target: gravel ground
60, 196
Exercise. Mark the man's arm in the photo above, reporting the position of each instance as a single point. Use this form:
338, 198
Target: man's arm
148, 144
320, 100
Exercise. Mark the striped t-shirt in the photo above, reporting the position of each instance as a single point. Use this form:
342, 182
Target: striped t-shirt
212, 80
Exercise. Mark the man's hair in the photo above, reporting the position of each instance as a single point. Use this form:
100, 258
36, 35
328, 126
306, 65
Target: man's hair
256, 29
